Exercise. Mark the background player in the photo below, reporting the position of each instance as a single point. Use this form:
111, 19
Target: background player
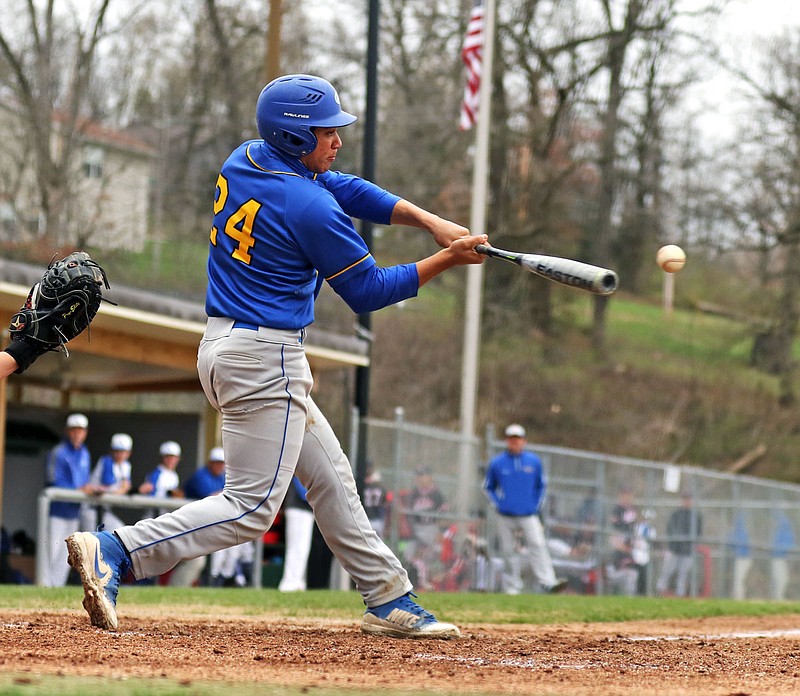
112, 475
282, 226
68, 465
516, 486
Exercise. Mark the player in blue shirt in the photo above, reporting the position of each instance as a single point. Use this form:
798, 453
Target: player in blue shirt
68, 465
282, 226
210, 480
516, 485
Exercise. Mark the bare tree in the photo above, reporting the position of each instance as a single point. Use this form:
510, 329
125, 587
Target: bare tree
773, 204
538, 160
49, 66
624, 24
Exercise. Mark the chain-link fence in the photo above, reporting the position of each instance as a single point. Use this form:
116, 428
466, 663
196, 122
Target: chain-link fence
722, 535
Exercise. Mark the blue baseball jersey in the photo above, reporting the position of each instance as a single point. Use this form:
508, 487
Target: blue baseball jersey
164, 480
203, 483
516, 483
68, 467
280, 230
109, 473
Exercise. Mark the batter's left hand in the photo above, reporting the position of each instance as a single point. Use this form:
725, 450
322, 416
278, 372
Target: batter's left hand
446, 232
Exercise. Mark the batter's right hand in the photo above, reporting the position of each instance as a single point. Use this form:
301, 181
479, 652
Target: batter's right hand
464, 248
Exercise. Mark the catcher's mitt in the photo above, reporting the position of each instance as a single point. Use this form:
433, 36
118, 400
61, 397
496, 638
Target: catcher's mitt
59, 307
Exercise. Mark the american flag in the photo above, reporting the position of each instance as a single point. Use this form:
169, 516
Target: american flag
472, 54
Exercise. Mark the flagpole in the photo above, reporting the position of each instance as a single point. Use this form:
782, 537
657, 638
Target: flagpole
474, 290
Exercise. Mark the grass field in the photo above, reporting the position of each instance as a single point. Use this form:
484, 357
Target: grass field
457, 607
474, 609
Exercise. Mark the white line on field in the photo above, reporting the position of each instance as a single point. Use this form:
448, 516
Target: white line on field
783, 633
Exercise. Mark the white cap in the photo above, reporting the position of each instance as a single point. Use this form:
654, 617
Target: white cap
216, 455
515, 430
170, 447
77, 420
121, 441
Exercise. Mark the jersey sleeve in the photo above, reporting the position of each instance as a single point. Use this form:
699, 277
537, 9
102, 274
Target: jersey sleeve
377, 287
360, 198
332, 245
60, 473
540, 485
490, 483
152, 478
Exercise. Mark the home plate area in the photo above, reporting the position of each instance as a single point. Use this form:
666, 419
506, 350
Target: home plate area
717, 656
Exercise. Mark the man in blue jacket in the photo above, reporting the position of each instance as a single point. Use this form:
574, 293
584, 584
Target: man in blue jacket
516, 485
68, 466
281, 228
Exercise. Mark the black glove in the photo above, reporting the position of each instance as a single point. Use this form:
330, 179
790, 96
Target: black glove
59, 307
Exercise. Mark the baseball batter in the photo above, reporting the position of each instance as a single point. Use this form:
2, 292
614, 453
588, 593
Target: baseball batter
282, 226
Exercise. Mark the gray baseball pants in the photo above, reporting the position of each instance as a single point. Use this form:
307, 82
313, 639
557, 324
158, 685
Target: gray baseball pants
529, 527
261, 382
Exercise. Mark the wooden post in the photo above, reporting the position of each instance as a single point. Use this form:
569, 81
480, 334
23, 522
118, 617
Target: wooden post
272, 55
669, 292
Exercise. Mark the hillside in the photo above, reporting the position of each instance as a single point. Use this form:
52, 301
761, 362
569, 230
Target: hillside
677, 388
673, 388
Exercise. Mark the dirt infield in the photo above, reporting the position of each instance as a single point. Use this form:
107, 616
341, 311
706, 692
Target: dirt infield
721, 656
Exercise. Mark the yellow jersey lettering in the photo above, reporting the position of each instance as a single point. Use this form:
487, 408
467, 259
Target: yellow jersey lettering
220, 194
239, 227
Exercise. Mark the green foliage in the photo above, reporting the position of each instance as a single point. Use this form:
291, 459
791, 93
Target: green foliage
175, 267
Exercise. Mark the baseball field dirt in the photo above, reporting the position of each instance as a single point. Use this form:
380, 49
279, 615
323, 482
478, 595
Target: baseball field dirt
717, 656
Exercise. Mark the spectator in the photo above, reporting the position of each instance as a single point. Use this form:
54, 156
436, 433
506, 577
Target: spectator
643, 534
229, 566
684, 527
621, 571
586, 517
783, 544
742, 555
163, 481
68, 466
516, 486
112, 474
299, 525
424, 505
376, 501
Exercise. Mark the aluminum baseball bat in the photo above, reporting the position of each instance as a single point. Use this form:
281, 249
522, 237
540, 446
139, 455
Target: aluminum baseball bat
600, 281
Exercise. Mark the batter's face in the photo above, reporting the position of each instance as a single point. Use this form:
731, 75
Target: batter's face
320, 159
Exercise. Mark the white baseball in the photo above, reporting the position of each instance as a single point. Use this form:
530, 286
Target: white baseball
671, 258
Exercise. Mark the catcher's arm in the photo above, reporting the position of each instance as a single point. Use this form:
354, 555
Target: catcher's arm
8, 365
59, 307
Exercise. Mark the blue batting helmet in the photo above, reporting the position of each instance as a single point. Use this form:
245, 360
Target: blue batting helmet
290, 106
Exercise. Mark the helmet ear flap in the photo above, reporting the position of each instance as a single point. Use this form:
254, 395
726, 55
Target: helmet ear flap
295, 143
